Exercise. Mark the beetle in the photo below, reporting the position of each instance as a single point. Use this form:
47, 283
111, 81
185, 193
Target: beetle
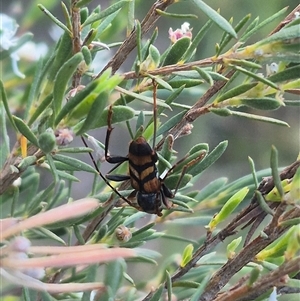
149, 188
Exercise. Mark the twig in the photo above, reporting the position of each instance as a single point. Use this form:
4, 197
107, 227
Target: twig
7, 174
221, 277
273, 231
130, 43
276, 278
76, 41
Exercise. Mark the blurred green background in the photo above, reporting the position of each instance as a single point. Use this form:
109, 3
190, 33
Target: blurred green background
246, 137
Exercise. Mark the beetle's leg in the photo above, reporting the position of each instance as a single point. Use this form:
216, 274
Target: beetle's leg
117, 178
166, 193
108, 158
184, 169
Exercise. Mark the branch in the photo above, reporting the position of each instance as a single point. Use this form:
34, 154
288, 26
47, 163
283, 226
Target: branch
76, 41
130, 43
272, 231
276, 278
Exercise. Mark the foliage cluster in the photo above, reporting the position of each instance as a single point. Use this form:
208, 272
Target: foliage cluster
247, 229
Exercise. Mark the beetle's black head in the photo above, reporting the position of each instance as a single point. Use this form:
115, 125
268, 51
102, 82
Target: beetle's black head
149, 202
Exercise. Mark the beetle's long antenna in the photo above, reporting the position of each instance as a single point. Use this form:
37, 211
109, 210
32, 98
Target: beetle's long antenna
154, 111
104, 178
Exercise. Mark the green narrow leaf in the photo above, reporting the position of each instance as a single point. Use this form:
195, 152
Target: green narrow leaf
244, 63
62, 54
196, 40
291, 222
252, 166
264, 103
228, 207
256, 76
201, 288
205, 75
26, 162
188, 83
53, 169
213, 156
157, 295
292, 102
78, 235
75, 101
274, 168
221, 112
25, 130
139, 40
77, 164
140, 121
45, 296
81, 3
67, 16
187, 255
277, 247
162, 83
259, 118
4, 147
165, 154
215, 17
250, 27
177, 51
284, 37
84, 13
169, 285
61, 80
26, 294
237, 28
254, 274
75, 150
120, 114
114, 274
193, 159
130, 17
295, 187
262, 203
231, 247
235, 91
177, 16
6, 106
253, 27
33, 87
143, 98
286, 75
96, 109
54, 19
87, 55
210, 189
40, 109
105, 24
100, 15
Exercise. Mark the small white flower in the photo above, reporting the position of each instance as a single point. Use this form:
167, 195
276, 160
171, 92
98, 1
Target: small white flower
8, 28
17, 182
185, 27
184, 31
273, 296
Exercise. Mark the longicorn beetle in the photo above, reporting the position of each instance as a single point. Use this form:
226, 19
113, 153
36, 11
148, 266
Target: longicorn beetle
149, 188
